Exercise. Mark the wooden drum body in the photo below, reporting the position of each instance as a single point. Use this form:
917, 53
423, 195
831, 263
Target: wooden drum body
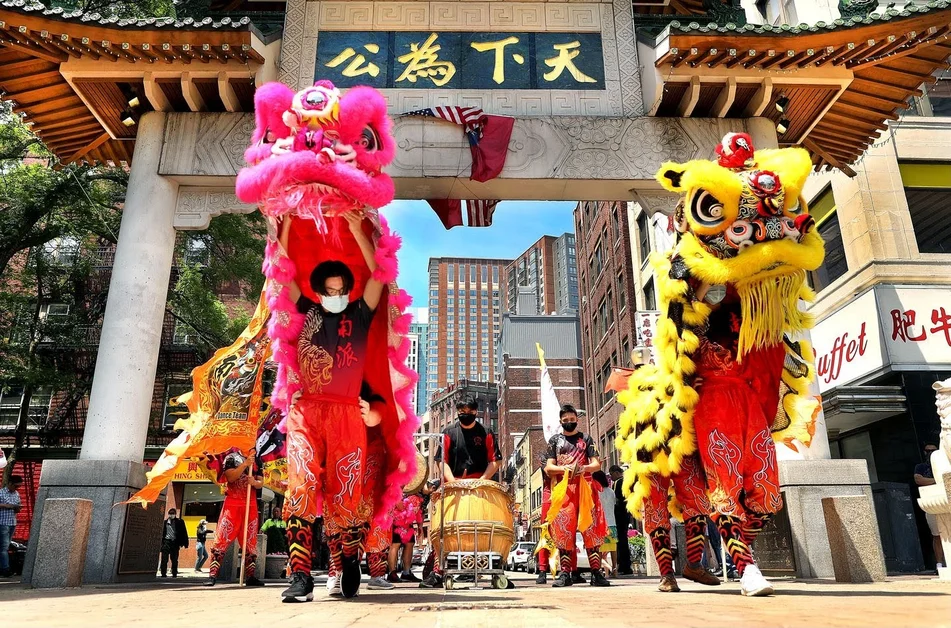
478, 518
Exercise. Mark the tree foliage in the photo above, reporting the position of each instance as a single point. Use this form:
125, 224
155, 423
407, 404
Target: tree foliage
135, 8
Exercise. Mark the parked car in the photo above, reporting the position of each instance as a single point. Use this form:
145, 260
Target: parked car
518, 557
419, 554
531, 565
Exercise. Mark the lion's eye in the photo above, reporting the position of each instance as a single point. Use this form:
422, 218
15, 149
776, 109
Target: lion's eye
369, 139
706, 210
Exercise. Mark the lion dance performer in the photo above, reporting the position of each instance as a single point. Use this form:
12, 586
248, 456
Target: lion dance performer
731, 380
233, 472
575, 504
315, 169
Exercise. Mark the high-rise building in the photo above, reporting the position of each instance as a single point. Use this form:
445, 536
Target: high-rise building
549, 268
607, 287
464, 315
418, 355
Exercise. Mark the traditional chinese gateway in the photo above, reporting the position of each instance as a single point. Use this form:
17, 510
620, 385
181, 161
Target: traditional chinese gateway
601, 94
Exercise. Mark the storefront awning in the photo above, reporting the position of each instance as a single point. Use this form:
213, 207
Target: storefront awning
850, 407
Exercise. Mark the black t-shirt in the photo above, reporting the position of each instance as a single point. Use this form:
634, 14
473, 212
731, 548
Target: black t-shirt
331, 348
567, 450
469, 450
202, 534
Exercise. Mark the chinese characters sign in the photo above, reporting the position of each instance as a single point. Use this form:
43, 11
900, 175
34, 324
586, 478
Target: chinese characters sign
645, 325
430, 60
904, 328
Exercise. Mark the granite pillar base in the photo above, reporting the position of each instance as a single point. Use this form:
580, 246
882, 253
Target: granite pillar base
853, 538
65, 535
804, 484
124, 541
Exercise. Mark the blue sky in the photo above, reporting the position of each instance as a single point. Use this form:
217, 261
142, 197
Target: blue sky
515, 226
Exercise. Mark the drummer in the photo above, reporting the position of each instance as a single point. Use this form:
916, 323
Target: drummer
469, 451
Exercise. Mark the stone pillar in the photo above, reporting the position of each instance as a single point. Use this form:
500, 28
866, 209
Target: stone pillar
853, 538
872, 210
121, 398
65, 531
124, 541
763, 132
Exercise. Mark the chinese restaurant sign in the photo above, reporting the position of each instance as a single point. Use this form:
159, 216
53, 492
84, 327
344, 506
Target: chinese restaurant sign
904, 328
428, 60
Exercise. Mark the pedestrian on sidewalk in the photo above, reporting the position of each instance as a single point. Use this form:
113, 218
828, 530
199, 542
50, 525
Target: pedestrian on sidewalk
609, 547
623, 520
202, 553
174, 537
9, 509
924, 476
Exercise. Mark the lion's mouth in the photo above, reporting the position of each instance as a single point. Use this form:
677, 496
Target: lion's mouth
317, 201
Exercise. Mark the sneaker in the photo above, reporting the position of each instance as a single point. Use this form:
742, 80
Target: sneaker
210, 582
350, 576
434, 581
668, 584
577, 578
732, 575
753, 584
380, 583
408, 577
301, 589
333, 586
598, 579
563, 580
393, 577
253, 582
542, 577
698, 574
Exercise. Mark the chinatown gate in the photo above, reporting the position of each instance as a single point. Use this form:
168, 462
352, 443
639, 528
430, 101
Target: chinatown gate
598, 108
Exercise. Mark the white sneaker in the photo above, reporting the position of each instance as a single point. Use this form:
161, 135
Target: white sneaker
333, 586
753, 584
380, 583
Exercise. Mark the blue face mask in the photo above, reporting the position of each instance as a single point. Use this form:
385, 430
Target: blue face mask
335, 304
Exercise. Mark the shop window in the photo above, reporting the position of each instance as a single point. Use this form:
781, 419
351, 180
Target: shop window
822, 210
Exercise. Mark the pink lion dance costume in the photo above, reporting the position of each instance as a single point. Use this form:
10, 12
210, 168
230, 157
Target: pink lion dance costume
316, 156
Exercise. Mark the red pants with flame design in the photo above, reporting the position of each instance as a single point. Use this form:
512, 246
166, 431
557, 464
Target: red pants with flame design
326, 456
380, 534
732, 421
690, 490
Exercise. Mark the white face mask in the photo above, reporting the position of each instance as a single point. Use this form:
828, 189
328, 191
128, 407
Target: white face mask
715, 294
336, 304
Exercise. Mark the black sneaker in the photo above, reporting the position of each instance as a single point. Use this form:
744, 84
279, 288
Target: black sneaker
393, 577
409, 577
301, 589
434, 581
350, 576
577, 578
253, 582
563, 580
598, 579
210, 582
542, 577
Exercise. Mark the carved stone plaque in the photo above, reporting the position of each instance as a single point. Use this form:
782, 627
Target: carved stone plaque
774, 547
141, 538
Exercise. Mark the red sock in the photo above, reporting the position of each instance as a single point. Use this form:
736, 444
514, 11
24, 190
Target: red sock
594, 558
754, 525
660, 541
300, 538
376, 563
694, 528
543, 558
731, 531
566, 559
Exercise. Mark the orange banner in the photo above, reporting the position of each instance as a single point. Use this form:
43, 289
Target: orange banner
224, 405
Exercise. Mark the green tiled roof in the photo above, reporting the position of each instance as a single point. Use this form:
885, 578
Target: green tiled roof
696, 28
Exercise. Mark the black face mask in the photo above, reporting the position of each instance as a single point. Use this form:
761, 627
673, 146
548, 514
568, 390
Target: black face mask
466, 419
569, 427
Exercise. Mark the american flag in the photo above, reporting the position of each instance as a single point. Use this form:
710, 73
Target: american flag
478, 212
472, 119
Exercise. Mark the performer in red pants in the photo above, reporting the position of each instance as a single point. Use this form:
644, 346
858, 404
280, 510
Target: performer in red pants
690, 491
732, 421
573, 453
544, 556
234, 470
326, 435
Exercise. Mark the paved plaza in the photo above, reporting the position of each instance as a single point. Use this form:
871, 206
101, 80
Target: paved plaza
906, 601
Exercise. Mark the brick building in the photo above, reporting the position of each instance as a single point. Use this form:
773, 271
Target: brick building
606, 284
464, 315
520, 375
549, 269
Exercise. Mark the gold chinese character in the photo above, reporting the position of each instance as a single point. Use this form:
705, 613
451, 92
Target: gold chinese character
423, 62
353, 68
498, 75
566, 52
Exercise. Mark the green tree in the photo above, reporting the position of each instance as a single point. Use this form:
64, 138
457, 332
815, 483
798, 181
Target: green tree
135, 8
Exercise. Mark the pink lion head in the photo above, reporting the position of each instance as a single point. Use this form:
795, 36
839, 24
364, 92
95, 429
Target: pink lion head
317, 153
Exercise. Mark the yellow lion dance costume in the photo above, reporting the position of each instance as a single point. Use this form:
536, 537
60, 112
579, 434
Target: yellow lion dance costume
731, 380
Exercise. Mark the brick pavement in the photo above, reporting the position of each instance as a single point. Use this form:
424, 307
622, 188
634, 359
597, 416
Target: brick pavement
898, 602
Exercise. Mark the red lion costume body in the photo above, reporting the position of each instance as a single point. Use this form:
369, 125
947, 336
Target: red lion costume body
315, 156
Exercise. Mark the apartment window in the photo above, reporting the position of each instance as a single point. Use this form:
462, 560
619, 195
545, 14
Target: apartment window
64, 250
625, 351
603, 376
603, 320
616, 224
643, 237
928, 192
452, 273
822, 209
621, 293
472, 275
650, 300
495, 274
